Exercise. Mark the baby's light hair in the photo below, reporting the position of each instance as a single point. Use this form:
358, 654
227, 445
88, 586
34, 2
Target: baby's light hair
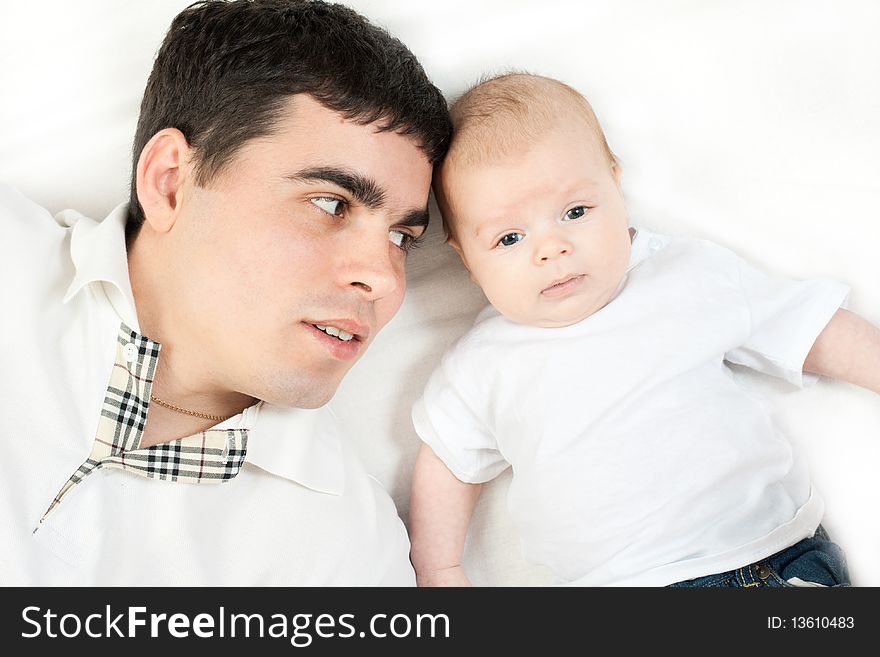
504, 114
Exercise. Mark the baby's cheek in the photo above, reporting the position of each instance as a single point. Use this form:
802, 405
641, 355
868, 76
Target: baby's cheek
506, 301
608, 263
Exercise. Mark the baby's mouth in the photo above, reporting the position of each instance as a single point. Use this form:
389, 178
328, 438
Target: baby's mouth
563, 284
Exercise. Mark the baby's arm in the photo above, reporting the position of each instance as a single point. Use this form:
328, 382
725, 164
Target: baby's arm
440, 511
848, 349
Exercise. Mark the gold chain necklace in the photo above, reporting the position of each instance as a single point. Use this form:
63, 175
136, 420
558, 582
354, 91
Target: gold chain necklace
178, 409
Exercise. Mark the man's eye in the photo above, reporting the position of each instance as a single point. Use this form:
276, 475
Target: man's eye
329, 204
404, 240
510, 239
575, 213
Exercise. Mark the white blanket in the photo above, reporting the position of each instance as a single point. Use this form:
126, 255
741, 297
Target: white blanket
755, 124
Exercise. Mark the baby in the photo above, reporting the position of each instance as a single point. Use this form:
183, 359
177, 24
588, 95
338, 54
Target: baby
598, 372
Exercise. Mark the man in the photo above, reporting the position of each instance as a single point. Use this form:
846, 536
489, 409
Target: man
164, 369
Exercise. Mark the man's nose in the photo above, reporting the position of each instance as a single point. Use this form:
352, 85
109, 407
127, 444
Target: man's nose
370, 267
551, 246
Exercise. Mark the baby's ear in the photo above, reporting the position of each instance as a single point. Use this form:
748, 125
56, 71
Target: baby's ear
451, 241
616, 170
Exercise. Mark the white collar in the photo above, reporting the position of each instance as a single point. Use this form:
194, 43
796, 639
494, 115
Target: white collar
301, 445
645, 244
97, 250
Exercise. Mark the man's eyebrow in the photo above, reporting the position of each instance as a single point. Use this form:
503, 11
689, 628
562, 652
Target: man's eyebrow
415, 219
365, 190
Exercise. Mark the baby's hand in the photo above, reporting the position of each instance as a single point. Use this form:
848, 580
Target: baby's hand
453, 576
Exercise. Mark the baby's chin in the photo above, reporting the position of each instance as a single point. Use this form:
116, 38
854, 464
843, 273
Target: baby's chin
549, 321
560, 315
556, 322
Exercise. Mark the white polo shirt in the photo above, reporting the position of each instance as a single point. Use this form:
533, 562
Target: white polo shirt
271, 496
637, 458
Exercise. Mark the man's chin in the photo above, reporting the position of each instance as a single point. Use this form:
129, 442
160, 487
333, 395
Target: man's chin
301, 397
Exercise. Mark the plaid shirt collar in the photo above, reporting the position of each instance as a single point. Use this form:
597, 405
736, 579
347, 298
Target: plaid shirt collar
210, 456
301, 445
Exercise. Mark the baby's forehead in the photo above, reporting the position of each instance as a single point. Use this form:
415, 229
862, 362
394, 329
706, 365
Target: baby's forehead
502, 116
499, 119
561, 141
562, 157
479, 195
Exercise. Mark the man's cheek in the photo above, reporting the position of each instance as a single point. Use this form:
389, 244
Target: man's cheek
387, 308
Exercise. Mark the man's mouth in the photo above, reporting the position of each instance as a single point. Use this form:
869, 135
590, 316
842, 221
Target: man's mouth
335, 331
342, 339
344, 330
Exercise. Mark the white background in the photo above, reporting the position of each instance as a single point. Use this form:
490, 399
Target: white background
753, 123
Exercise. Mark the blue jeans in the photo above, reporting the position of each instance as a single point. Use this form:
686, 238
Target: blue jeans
815, 559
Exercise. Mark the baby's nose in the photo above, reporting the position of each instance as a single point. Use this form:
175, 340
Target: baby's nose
553, 247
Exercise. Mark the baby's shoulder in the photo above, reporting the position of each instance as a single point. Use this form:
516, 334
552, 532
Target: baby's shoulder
468, 345
477, 347
690, 252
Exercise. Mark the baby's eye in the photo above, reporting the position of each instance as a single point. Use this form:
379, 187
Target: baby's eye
510, 239
575, 213
329, 204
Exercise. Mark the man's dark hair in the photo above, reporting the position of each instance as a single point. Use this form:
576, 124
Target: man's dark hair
226, 69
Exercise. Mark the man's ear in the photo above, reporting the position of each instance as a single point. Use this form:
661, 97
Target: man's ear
162, 167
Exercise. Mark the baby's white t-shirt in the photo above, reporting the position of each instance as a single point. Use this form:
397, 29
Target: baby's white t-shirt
637, 458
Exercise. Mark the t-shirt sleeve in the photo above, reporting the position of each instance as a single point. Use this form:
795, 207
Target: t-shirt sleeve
785, 317
445, 418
